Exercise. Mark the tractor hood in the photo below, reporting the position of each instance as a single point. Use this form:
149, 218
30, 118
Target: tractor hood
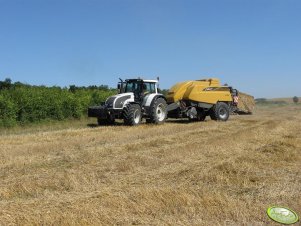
118, 101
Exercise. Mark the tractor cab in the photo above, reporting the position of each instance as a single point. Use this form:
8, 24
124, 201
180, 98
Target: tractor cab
139, 87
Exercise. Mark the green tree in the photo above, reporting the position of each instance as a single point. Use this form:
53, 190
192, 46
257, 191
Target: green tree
6, 84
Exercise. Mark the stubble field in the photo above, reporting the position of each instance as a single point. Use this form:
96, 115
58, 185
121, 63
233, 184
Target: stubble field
179, 173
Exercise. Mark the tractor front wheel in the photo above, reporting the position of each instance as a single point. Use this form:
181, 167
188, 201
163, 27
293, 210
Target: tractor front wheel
132, 115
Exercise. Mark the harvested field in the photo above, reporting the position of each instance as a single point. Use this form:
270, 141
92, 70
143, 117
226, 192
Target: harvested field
204, 173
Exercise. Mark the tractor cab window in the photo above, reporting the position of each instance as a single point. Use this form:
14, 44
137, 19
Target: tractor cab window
133, 86
149, 88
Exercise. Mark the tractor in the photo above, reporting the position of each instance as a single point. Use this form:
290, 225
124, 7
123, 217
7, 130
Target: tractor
137, 99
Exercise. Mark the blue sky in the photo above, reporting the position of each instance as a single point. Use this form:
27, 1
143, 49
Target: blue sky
254, 45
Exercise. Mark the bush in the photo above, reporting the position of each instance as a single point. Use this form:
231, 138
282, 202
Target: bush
8, 112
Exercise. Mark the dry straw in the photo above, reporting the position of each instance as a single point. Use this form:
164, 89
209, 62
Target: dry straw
246, 103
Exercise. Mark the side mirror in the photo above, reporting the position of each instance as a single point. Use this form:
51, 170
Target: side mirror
119, 86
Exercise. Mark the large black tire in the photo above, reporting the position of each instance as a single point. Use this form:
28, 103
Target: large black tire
220, 112
158, 111
103, 122
132, 115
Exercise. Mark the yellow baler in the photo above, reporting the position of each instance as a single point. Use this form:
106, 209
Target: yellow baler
199, 98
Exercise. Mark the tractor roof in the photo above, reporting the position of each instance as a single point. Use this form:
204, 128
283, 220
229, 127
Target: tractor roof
141, 80
148, 80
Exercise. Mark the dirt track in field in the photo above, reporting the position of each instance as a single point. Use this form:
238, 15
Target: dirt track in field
179, 173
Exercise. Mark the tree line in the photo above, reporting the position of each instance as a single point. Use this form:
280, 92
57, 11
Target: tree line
22, 103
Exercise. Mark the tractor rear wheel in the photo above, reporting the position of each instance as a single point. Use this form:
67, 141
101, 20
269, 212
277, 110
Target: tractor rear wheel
220, 111
132, 114
158, 112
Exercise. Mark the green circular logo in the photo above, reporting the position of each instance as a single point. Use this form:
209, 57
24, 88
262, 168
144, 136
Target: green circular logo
282, 215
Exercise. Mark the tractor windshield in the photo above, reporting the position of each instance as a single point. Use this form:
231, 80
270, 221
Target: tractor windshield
149, 87
133, 86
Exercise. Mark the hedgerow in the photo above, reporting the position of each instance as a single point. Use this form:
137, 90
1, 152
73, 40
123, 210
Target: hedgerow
22, 103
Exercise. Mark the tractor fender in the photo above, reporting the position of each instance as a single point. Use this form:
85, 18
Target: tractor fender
150, 98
